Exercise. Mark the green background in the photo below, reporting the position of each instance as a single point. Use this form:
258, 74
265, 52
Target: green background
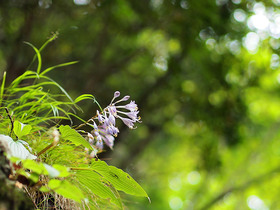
204, 73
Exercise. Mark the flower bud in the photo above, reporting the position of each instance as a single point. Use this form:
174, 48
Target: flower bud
117, 94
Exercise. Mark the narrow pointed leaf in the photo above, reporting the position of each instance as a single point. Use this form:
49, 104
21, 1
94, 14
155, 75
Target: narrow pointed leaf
2, 87
38, 56
57, 66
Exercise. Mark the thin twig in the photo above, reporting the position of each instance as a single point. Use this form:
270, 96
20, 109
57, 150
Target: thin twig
12, 122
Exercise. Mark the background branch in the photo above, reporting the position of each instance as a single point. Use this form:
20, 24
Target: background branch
257, 180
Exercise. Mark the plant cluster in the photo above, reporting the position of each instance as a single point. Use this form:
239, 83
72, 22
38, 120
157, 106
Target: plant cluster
56, 164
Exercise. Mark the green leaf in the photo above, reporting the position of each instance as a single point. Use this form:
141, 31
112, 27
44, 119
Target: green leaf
97, 185
34, 177
26, 75
38, 56
45, 169
44, 189
62, 170
52, 172
119, 179
56, 84
60, 65
84, 97
66, 189
21, 129
2, 87
72, 135
34, 166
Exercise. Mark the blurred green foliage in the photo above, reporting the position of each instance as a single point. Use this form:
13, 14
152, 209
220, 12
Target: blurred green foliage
206, 78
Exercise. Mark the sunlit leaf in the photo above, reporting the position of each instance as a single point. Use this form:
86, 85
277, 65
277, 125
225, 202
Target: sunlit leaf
84, 97
34, 177
34, 166
44, 189
63, 171
21, 129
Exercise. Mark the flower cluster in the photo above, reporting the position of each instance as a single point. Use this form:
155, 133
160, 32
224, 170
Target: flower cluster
105, 129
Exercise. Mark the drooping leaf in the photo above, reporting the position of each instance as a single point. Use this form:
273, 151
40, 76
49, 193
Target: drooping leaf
72, 135
84, 97
17, 148
21, 129
97, 185
119, 179
57, 85
66, 189
38, 56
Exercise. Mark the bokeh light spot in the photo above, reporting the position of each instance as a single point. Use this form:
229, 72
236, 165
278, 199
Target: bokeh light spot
239, 15
175, 184
259, 21
255, 203
175, 203
251, 42
81, 2
194, 177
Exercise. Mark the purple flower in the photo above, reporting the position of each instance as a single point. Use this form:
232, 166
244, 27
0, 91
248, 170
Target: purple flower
117, 94
106, 131
132, 115
128, 122
111, 120
100, 117
111, 130
90, 138
125, 98
132, 106
99, 144
109, 140
112, 110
